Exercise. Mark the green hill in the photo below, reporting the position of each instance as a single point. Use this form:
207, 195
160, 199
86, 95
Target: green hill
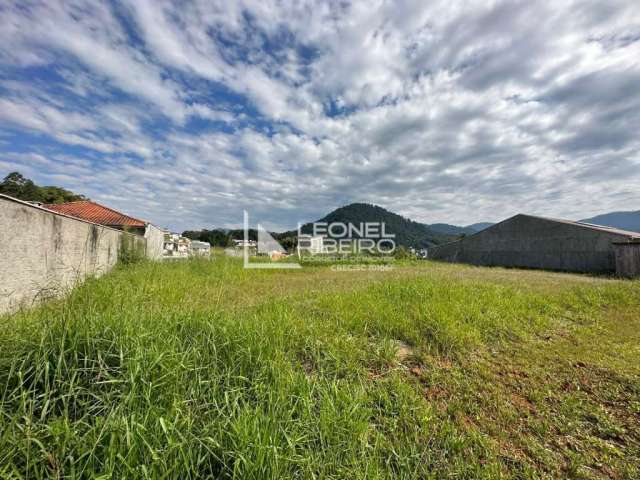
446, 229
408, 233
478, 227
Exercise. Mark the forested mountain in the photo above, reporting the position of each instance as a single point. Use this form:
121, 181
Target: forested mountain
623, 220
408, 233
17, 186
446, 229
477, 227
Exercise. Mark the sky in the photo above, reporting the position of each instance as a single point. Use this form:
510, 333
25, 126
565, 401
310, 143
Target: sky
186, 113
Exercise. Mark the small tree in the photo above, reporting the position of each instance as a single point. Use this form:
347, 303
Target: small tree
16, 185
402, 253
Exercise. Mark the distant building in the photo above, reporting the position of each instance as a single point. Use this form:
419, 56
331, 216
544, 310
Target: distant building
176, 246
547, 243
200, 249
96, 213
241, 243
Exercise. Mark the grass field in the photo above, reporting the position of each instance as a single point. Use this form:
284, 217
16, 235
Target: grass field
204, 370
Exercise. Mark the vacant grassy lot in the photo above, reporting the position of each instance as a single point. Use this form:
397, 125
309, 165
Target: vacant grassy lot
205, 370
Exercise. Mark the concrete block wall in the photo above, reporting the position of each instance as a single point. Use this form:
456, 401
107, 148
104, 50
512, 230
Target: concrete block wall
155, 242
44, 254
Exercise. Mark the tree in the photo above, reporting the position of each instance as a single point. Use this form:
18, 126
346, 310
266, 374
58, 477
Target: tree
16, 185
16, 178
216, 237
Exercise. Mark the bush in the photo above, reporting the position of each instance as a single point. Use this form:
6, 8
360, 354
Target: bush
402, 253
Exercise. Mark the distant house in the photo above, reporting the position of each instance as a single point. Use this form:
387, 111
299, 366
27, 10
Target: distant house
547, 243
240, 243
96, 213
176, 246
200, 249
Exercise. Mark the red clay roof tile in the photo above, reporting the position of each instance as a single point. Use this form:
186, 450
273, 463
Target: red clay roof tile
96, 213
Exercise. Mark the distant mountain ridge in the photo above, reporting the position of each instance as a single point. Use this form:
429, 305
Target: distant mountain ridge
478, 227
446, 229
622, 220
408, 233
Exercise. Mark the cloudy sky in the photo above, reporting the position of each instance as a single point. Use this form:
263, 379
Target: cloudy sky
185, 114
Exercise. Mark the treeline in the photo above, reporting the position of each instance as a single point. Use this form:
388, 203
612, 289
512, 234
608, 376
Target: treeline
224, 238
17, 186
218, 237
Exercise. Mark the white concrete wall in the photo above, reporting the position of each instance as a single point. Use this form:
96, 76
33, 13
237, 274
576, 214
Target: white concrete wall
155, 242
43, 254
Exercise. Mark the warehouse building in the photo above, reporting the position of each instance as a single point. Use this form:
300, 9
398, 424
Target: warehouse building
547, 243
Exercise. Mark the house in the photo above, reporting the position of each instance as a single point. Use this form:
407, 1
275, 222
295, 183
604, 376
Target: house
547, 243
96, 213
240, 243
176, 246
200, 249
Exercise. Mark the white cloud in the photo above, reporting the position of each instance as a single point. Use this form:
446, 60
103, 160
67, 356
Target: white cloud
444, 111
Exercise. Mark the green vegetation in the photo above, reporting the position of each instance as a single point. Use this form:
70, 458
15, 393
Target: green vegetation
17, 186
200, 369
224, 238
215, 237
407, 232
132, 250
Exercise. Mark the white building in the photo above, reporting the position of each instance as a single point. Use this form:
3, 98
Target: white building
176, 246
200, 249
240, 243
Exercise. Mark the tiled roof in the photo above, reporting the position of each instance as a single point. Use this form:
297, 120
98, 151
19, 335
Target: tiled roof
96, 213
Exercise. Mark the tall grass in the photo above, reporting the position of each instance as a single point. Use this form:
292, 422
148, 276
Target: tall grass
199, 370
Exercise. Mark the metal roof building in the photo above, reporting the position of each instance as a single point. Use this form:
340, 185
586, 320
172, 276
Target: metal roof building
547, 243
